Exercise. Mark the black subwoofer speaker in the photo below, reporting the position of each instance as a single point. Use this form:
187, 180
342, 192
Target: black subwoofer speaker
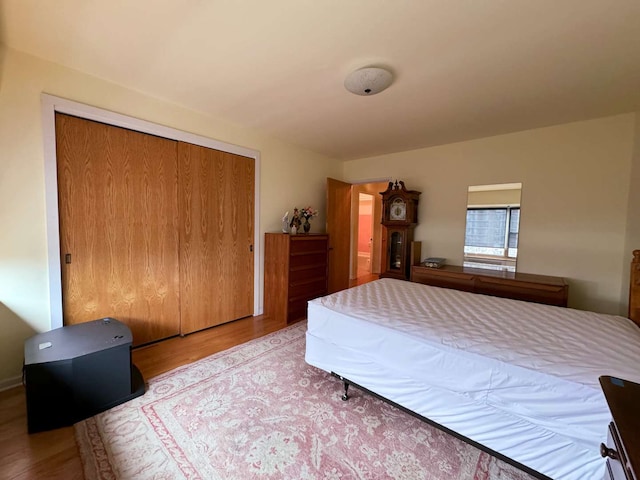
74, 372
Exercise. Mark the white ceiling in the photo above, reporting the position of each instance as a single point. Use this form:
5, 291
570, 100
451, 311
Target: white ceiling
463, 69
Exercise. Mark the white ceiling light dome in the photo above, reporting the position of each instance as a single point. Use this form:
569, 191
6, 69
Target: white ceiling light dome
368, 81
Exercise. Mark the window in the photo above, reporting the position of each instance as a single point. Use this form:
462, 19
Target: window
492, 232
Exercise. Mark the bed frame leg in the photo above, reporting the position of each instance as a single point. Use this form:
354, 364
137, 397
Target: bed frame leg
346, 384
345, 396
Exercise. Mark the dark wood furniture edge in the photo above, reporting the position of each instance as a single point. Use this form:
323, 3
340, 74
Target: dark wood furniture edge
295, 270
623, 398
634, 288
520, 286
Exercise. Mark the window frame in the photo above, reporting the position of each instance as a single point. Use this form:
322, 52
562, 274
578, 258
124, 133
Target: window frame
508, 254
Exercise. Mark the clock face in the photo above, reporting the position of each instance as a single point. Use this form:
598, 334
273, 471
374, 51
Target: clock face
398, 210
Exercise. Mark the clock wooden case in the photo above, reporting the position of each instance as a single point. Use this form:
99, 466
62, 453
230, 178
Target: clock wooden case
399, 217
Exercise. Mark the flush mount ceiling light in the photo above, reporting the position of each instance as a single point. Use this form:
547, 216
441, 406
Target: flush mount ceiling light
368, 81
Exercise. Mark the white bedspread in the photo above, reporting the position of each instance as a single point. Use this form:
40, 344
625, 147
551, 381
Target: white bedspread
518, 377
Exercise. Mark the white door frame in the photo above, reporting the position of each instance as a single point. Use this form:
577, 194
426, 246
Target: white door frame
50, 105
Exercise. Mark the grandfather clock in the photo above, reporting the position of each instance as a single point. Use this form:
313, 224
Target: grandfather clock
399, 217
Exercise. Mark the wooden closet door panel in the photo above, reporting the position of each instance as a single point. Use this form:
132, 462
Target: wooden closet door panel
119, 222
239, 198
216, 204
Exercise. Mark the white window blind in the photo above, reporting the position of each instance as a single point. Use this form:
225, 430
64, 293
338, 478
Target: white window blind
492, 231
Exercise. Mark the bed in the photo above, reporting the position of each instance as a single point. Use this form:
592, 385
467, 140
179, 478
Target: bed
518, 379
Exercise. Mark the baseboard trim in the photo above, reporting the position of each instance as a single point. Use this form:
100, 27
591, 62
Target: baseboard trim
8, 383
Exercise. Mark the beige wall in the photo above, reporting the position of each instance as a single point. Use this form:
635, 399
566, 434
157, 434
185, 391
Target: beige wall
289, 176
632, 240
575, 199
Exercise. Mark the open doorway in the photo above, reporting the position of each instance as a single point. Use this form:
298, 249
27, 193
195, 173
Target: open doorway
343, 220
365, 234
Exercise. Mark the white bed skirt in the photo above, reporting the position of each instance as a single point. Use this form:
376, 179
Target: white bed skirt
541, 415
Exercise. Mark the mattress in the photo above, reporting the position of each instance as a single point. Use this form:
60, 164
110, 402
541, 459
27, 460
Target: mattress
517, 377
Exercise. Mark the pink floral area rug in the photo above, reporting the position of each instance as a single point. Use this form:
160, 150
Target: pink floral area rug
259, 411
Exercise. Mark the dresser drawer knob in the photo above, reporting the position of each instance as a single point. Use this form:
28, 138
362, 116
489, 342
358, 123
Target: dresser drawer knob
608, 452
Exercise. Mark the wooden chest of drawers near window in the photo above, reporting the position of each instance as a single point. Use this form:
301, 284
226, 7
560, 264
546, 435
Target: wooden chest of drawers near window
519, 286
622, 449
295, 271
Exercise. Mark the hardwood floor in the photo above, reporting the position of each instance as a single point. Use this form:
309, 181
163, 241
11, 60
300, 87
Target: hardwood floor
54, 454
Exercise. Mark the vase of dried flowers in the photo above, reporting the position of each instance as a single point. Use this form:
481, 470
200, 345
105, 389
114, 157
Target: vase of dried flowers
307, 213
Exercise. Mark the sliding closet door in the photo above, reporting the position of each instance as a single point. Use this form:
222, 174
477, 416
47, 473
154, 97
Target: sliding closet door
118, 227
216, 204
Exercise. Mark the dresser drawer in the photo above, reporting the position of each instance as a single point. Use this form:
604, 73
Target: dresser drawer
298, 307
308, 289
616, 459
441, 278
527, 291
307, 272
303, 245
297, 311
307, 260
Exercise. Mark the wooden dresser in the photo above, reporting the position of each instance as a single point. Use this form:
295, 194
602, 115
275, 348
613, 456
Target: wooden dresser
622, 450
519, 286
295, 271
